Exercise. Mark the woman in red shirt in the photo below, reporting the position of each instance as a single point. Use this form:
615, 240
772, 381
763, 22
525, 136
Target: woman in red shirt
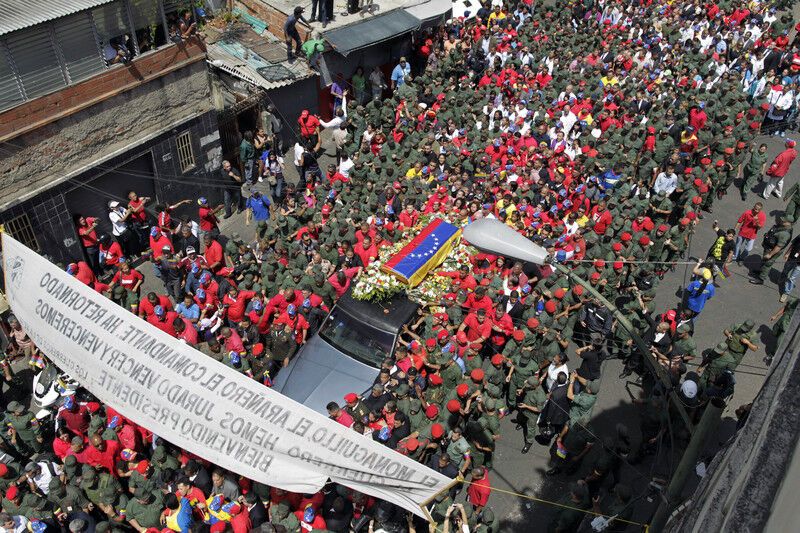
87, 232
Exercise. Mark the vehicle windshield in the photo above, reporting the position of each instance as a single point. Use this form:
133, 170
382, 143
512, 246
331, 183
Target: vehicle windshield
358, 340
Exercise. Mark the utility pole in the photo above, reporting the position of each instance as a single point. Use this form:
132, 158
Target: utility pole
708, 424
654, 368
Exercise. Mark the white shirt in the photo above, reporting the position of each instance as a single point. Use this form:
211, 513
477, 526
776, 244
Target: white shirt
118, 223
552, 374
43, 479
666, 183
20, 525
298, 153
345, 166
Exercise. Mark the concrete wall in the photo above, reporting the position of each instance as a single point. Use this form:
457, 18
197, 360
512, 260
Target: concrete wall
82, 124
272, 16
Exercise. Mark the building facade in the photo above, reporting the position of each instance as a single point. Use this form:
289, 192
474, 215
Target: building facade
99, 97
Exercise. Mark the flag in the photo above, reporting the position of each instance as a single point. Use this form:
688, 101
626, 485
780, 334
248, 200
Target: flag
425, 252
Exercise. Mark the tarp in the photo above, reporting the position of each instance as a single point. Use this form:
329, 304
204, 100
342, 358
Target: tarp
423, 253
370, 31
195, 402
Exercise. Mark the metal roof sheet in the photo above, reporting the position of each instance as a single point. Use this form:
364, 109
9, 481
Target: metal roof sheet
369, 31
19, 14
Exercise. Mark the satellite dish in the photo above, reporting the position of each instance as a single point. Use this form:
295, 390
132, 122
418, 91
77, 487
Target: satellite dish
492, 236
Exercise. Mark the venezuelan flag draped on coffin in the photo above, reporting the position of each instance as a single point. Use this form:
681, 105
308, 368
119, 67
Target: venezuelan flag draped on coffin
425, 252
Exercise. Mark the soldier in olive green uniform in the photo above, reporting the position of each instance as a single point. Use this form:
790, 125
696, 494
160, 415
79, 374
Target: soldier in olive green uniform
753, 169
524, 368
720, 360
94, 484
281, 516
66, 498
533, 400
144, 510
23, 429
782, 233
740, 338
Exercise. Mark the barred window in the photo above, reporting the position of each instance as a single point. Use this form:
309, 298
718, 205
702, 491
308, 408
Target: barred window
185, 153
20, 228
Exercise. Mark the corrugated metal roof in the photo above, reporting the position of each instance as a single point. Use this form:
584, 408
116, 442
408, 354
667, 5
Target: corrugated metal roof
228, 60
369, 31
18, 14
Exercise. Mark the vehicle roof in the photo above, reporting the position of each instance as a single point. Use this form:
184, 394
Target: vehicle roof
389, 315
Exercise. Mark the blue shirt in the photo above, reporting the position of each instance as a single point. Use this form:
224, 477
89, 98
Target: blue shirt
190, 312
399, 74
260, 207
697, 299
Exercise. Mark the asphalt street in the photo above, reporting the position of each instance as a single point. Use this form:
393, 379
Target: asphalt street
524, 503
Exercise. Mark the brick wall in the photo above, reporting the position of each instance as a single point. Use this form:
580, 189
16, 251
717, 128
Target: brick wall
272, 16
41, 111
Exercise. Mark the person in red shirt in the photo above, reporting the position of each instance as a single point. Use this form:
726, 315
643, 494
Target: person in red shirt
184, 330
110, 252
779, 168
463, 279
476, 326
601, 217
235, 302
164, 216
148, 305
136, 206
366, 250
479, 489
82, 272
195, 496
128, 277
87, 232
74, 417
232, 341
103, 453
214, 254
502, 328
479, 300
339, 415
309, 126
159, 242
297, 322
747, 228
282, 300
163, 319
208, 220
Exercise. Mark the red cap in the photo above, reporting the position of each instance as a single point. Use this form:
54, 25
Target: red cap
442, 188
698, 182
559, 293
477, 375
625, 237
518, 334
765, 106
3, 470
595, 276
790, 143
550, 306
691, 215
617, 246
435, 379
12, 492
533, 323
396, 185
454, 406
644, 240
741, 144
599, 263
497, 359
648, 224
431, 411
412, 444
663, 227
326, 209
351, 397
443, 334
461, 390
754, 125
430, 343
687, 170
258, 349
618, 265
684, 221
577, 289
437, 431
705, 161
461, 337
697, 200
143, 466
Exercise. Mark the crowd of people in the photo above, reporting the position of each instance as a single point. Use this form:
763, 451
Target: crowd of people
603, 131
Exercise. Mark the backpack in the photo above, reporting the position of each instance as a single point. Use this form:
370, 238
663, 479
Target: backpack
770, 240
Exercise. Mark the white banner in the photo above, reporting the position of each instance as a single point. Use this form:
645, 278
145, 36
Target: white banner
195, 402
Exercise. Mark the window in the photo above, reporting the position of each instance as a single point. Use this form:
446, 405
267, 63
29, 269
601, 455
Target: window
37, 62
111, 22
20, 228
185, 153
148, 24
75, 38
10, 90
